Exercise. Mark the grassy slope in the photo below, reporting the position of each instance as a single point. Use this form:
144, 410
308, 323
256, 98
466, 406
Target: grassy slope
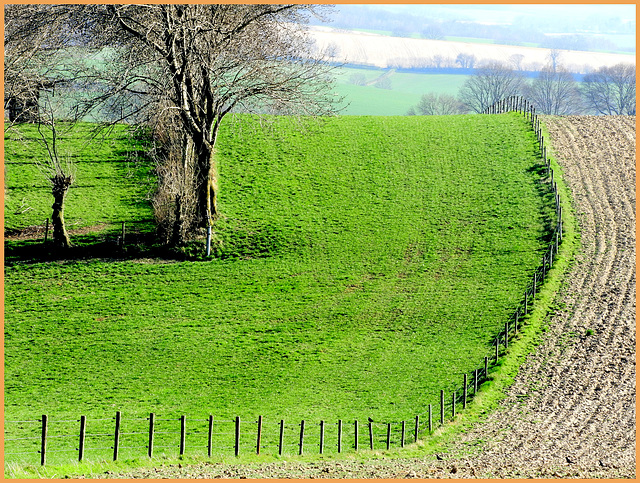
398, 247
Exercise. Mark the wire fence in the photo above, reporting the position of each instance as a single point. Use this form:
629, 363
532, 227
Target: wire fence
49, 440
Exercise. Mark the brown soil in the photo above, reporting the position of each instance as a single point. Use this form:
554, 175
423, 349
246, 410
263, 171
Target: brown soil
578, 416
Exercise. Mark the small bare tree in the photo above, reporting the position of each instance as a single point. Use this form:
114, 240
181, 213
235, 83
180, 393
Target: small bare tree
466, 61
61, 175
555, 92
554, 58
491, 83
516, 61
438, 105
175, 199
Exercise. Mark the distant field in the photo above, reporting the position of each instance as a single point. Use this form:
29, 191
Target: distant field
405, 91
366, 264
472, 40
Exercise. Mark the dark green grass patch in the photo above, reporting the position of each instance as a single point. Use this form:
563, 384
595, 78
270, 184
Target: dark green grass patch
363, 265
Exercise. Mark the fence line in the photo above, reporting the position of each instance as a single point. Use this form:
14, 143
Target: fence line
262, 434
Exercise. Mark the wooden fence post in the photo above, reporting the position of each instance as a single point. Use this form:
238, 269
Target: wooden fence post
402, 435
430, 419
321, 436
152, 418
417, 429
210, 438
497, 342
83, 429
560, 220
122, 237
301, 437
237, 439
441, 406
43, 441
116, 441
281, 437
259, 434
355, 429
183, 433
388, 435
339, 435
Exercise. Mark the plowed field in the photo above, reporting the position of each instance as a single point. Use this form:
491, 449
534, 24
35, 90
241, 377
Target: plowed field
571, 411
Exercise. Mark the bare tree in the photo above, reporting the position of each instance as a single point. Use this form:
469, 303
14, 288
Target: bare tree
554, 58
358, 79
439, 61
32, 38
438, 105
516, 61
60, 173
490, 84
433, 32
466, 61
611, 90
218, 58
555, 92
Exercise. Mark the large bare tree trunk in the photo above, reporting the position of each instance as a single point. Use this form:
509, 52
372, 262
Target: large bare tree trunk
184, 206
61, 185
207, 191
209, 188
207, 177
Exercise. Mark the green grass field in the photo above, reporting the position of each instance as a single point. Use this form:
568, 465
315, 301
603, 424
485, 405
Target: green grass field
366, 263
405, 91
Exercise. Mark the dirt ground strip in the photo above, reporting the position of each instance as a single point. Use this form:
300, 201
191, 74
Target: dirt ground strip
571, 411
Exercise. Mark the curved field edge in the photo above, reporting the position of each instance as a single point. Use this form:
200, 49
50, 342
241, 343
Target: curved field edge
512, 349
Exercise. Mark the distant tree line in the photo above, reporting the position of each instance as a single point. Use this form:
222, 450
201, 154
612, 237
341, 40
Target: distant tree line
606, 91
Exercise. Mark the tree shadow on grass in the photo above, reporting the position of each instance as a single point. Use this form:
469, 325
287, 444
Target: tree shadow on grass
236, 240
140, 245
